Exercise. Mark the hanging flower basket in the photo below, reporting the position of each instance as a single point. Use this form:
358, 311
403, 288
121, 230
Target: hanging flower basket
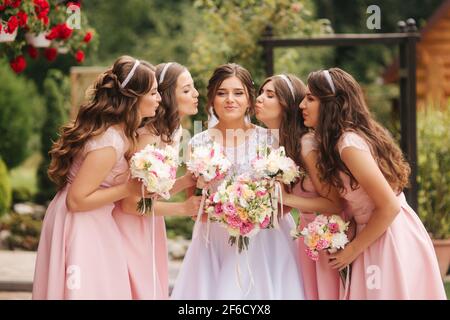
7, 37
38, 41
63, 50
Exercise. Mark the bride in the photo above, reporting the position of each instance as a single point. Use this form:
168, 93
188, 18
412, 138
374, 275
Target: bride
212, 269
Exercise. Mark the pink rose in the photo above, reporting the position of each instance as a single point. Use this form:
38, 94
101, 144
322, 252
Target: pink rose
230, 209
312, 254
234, 222
246, 227
334, 227
265, 223
218, 208
261, 193
322, 244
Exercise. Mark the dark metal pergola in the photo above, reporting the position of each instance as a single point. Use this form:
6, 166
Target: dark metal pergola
406, 39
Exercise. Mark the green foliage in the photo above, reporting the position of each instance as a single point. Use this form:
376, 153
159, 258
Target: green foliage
231, 31
156, 31
179, 226
21, 115
5, 188
434, 171
367, 63
57, 90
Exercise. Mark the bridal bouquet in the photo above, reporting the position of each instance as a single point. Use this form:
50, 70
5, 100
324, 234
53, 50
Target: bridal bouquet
157, 169
209, 162
275, 164
324, 233
243, 206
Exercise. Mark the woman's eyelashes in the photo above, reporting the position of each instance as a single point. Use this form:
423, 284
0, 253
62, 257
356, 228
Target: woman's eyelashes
224, 93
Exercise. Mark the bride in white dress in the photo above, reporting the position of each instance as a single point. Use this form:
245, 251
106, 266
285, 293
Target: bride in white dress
212, 268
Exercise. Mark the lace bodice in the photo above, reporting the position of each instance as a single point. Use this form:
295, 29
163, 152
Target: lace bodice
242, 155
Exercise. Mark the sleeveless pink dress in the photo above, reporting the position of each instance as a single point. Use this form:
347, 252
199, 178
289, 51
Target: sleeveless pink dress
401, 264
137, 238
321, 282
80, 254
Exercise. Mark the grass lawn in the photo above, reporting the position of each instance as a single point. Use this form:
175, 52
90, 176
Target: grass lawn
447, 289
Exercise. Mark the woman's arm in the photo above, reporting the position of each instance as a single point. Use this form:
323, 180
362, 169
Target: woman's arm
189, 207
329, 201
84, 193
366, 171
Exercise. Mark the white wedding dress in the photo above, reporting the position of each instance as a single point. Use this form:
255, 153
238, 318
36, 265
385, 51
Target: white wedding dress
215, 270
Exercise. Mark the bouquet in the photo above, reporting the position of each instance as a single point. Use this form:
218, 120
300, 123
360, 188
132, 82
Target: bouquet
157, 169
209, 162
275, 164
243, 206
325, 233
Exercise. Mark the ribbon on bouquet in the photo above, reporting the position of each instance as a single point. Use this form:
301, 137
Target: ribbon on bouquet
345, 278
238, 271
346, 281
152, 209
278, 195
199, 217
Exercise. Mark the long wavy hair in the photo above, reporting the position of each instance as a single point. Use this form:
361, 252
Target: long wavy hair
109, 105
292, 127
167, 119
346, 110
226, 71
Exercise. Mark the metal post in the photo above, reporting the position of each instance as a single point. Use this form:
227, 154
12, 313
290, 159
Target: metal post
268, 50
408, 98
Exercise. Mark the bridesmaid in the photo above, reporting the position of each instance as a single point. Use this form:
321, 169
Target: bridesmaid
179, 99
80, 254
277, 106
392, 255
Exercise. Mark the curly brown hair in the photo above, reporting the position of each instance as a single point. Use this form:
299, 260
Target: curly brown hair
292, 127
109, 105
346, 110
167, 119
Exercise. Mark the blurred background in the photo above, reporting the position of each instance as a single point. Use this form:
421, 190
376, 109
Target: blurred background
43, 80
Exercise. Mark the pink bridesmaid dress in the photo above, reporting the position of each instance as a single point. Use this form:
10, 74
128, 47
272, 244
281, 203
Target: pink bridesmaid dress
320, 281
401, 264
80, 254
137, 239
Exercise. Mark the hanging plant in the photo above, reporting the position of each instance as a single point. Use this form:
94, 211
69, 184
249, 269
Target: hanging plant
13, 19
27, 25
38, 23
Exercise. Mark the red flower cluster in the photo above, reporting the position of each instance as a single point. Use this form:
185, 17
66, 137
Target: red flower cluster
60, 31
88, 37
79, 56
9, 3
42, 9
18, 64
50, 54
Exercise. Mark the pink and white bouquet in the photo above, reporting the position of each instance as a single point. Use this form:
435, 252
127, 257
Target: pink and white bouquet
209, 162
157, 169
274, 163
324, 233
243, 205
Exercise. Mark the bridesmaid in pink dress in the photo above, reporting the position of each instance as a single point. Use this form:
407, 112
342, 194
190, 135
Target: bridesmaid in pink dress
392, 255
179, 99
80, 254
277, 107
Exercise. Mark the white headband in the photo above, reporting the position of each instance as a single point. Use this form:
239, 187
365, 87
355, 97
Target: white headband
163, 73
289, 83
130, 75
330, 81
